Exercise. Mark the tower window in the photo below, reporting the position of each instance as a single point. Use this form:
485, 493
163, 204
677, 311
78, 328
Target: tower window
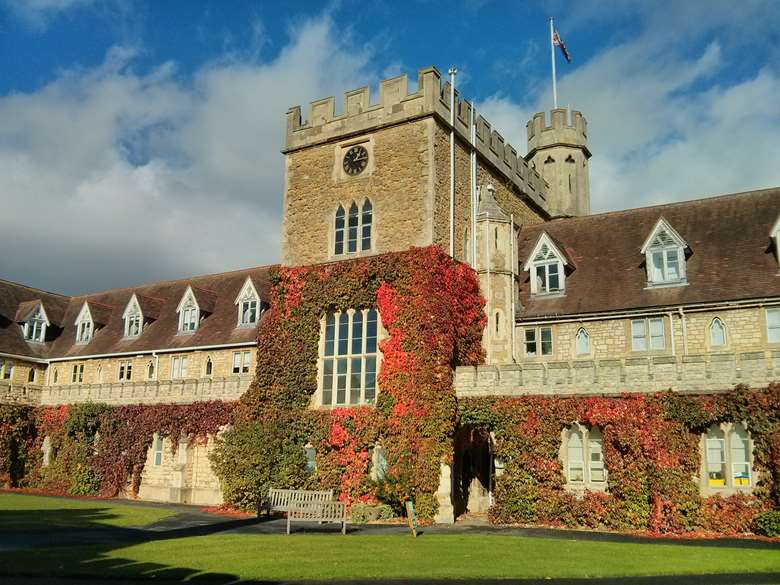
353, 230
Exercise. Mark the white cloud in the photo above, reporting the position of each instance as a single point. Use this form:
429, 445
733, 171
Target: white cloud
110, 177
38, 13
660, 127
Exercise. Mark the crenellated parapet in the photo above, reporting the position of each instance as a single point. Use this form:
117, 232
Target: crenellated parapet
560, 132
396, 105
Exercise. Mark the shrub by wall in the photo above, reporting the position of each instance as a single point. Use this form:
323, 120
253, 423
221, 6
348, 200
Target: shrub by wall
651, 452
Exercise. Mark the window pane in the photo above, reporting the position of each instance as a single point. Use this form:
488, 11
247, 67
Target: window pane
716, 460
366, 229
353, 229
184, 367
575, 457
357, 332
657, 268
341, 380
343, 345
582, 342
370, 392
339, 249
236, 363
596, 459
371, 331
245, 364
773, 325
672, 265
553, 277
327, 382
740, 456
355, 380
541, 279
530, 342
717, 333
657, 340
330, 333
638, 335
546, 334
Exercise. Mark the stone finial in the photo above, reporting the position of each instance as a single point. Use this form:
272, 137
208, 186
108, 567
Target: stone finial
488, 206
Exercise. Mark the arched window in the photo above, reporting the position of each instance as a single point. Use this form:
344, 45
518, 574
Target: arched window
575, 457
717, 333
339, 231
355, 227
582, 342
31, 376
378, 463
99, 374
150, 370
209, 366
366, 222
739, 446
716, 457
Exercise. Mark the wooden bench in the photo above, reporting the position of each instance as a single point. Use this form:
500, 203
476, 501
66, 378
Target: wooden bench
279, 499
313, 511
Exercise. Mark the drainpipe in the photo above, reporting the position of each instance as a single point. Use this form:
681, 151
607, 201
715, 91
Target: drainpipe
474, 201
512, 260
487, 301
684, 330
453, 72
156, 365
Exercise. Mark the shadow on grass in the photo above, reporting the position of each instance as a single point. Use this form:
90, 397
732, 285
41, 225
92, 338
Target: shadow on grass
72, 560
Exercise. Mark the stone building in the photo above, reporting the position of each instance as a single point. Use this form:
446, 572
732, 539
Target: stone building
683, 296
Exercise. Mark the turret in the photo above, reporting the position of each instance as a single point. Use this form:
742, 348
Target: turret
559, 152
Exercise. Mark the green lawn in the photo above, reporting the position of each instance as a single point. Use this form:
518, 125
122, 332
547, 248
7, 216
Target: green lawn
41, 513
332, 556
224, 557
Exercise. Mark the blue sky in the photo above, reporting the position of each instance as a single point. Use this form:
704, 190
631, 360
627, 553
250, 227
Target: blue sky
140, 140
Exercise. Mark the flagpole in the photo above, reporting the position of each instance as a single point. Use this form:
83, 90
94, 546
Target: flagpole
552, 59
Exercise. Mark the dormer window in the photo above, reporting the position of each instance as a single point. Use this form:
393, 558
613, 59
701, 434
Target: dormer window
248, 303
133, 318
189, 312
664, 254
84, 325
35, 326
546, 268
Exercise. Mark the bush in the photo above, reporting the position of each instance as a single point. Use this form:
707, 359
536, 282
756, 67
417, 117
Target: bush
254, 456
767, 523
362, 513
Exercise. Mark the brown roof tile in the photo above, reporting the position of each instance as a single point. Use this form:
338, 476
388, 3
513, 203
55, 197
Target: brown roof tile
730, 256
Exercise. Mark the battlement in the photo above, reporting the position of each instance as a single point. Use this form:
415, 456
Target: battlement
561, 130
396, 105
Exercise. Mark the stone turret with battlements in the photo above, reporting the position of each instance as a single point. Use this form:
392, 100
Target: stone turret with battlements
559, 152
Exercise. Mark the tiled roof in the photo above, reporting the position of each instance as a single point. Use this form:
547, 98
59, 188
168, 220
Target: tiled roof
730, 256
215, 294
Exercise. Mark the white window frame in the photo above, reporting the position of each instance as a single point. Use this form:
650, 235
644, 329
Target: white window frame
723, 436
246, 295
178, 367
133, 319
538, 341
592, 442
718, 322
357, 349
582, 333
676, 246
648, 336
543, 257
125, 370
157, 450
85, 325
35, 326
773, 324
189, 312
241, 362
77, 376
363, 230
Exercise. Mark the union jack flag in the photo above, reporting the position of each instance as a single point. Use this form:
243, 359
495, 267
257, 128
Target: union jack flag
558, 41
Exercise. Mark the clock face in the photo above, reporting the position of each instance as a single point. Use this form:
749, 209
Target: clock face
355, 160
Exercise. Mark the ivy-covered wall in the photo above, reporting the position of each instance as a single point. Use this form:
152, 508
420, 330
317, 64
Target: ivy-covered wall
433, 313
651, 452
95, 449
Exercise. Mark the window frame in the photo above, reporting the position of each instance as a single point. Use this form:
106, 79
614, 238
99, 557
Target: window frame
538, 340
589, 437
772, 329
577, 352
725, 434
189, 313
246, 295
711, 329
654, 245
34, 329
353, 223
648, 336
125, 370
179, 365
330, 360
241, 363
157, 450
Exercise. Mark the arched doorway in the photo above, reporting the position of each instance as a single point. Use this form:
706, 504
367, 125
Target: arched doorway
473, 470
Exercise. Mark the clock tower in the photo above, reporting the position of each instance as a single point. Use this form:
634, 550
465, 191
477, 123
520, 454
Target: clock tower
375, 178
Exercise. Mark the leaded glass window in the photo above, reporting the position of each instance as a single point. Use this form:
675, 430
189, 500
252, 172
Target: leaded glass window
353, 230
717, 333
349, 361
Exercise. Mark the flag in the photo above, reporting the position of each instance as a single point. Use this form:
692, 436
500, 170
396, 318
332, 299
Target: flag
558, 41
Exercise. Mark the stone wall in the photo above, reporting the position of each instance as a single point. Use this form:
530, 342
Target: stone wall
692, 373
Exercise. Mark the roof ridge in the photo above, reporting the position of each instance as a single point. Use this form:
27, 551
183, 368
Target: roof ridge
35, 288
657, 205
170, 281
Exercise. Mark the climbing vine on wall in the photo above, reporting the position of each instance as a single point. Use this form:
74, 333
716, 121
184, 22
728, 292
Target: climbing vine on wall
651, 451
96, 448
432, 311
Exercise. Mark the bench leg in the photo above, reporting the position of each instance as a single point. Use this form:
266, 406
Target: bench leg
343, 527
288, 523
